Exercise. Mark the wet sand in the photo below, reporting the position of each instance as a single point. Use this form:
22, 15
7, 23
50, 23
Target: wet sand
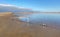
11, 27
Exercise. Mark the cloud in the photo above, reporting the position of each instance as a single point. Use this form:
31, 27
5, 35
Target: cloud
13, 8
8, 5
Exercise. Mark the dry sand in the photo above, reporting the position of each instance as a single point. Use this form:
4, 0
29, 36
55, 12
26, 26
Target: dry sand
12, 27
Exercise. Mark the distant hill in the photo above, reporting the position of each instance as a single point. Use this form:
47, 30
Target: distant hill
13, 9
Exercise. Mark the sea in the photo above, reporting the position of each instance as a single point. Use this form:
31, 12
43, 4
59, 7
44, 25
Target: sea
51, 19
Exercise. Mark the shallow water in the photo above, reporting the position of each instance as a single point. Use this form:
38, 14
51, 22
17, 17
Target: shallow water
49, 19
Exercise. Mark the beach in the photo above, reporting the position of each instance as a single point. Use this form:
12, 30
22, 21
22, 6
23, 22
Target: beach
12, 27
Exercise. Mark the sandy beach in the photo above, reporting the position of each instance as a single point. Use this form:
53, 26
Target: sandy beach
12, 27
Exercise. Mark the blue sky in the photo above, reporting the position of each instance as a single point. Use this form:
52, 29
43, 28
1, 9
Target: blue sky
38, 5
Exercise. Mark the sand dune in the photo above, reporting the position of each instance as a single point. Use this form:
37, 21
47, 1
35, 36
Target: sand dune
12, 27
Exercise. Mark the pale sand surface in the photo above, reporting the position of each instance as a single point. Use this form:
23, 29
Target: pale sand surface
11, 27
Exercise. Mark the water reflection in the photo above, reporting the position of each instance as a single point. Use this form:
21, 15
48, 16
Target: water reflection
49, 19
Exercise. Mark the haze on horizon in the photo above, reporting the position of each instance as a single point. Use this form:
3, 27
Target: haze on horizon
36, 5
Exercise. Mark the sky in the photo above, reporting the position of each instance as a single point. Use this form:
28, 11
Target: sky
37, 5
